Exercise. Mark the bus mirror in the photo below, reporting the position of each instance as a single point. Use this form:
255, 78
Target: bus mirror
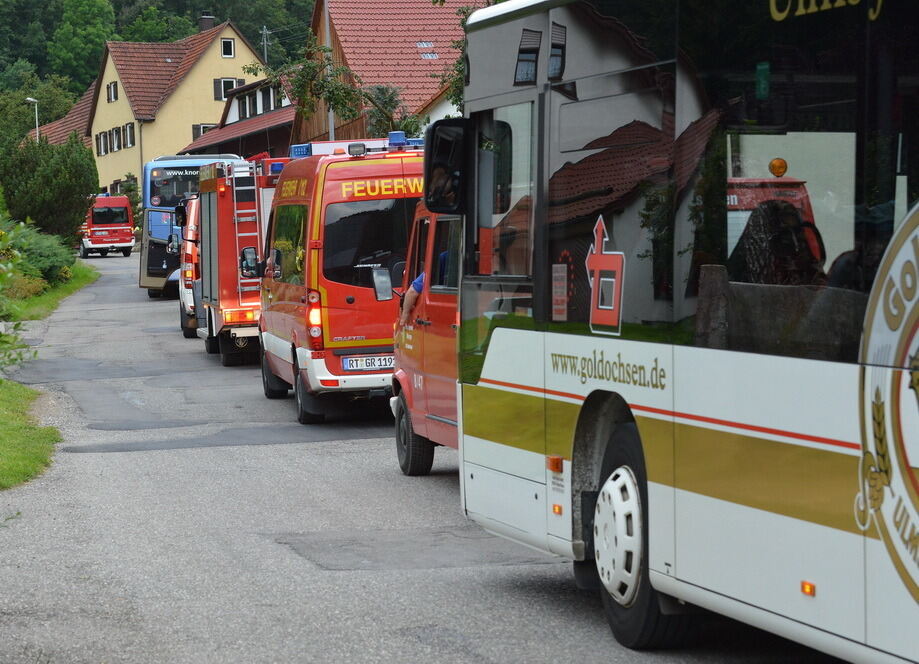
445, 165
396, 272
172, 244
249, 267
382, 284
181, 217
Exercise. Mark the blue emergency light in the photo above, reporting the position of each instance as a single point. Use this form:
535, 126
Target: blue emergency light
277, 167
301, 150
397, 139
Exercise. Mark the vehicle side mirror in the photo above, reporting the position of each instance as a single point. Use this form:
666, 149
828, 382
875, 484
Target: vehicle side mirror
172, 244
382, 284
249, 266
445, 159
181, 216
396, 272
276, 264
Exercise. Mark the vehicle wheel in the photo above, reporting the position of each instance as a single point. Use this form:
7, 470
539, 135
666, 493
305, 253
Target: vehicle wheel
211, 345
274, 387
84, 252
154, 293
309, 410
620, 544
416, 453
189, 332
103, 252
126, 252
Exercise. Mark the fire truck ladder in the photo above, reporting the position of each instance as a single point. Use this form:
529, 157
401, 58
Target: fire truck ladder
246, 171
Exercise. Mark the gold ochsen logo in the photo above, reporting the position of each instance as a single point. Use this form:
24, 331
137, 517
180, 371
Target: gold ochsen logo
888, 495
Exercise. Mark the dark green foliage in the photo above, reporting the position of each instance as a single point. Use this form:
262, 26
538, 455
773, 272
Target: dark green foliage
54, 100
28, 170
76, 47
44, 256
153, 25
386, 113
131, 189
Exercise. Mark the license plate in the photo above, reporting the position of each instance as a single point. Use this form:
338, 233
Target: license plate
368, 363
101, 233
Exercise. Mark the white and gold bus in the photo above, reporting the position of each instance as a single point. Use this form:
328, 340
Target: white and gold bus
702, 394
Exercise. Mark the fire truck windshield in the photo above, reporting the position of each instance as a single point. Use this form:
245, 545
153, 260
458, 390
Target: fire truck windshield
362, 235
168, 186
110, 215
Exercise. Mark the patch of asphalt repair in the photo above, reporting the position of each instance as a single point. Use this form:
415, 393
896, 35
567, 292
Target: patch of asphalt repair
429, 548
270, 434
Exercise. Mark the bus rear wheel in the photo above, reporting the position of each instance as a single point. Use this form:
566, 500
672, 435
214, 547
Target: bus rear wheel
620, 544
154, 293
416, 453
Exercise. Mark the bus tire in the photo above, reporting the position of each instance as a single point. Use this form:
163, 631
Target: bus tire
416, 453
309, 410
274, 387
126, 252
634, 613
154, 293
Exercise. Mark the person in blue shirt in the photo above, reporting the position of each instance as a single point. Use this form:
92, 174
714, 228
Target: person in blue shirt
411, 296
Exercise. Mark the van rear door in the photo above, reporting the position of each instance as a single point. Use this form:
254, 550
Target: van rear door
368, 210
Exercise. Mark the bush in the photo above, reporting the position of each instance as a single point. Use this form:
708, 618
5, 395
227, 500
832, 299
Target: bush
22, 286
43, 256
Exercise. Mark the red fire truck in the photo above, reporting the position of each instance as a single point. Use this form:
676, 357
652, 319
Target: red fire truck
339, 213
233, 198
109, 226
424, 380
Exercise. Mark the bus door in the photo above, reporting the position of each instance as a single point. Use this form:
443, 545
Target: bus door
501, 350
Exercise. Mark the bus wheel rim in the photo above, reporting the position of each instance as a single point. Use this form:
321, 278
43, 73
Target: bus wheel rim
618, 535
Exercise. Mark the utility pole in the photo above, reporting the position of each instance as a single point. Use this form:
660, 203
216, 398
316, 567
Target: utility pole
265, 43
328, 43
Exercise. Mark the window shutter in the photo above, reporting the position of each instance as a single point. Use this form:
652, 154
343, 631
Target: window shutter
115, 90
240, 81
218, 89
195, 131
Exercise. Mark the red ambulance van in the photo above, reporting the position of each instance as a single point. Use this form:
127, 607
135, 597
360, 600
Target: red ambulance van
341, 211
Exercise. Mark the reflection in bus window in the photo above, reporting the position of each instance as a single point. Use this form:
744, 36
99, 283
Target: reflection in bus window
160, 224
288, 242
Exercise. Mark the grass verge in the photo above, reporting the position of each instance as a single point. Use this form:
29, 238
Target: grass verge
40, 306
25, 448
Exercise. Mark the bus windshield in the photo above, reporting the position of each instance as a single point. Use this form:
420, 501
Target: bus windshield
110, 215
169, 185
160, 224
362, 235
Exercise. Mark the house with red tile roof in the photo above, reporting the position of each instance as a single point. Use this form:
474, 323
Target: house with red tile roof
257, 118
153, 99
406, 44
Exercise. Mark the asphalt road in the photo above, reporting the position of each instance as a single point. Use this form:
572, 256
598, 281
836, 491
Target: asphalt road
186, 518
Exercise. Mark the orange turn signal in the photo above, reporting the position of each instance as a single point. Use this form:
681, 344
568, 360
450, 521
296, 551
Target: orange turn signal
554, 463
778, 167
557, 509
808, 589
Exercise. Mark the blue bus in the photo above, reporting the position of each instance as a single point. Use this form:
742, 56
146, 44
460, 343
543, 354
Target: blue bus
167, 181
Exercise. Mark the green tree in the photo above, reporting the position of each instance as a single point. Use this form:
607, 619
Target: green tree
130, 188
13, 350
54, 100
315, 78
26, 173
386, 113
153, 25
76, 48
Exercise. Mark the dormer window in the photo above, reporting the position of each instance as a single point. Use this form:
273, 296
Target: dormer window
557, 53
111, 91
228, 48
527, 57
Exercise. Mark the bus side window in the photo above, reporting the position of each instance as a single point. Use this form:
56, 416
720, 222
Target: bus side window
419, 249
444, 268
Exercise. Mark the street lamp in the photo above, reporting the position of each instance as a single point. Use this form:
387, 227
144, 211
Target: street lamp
34, 101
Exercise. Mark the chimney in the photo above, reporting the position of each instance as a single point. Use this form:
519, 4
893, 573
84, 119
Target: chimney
206, 21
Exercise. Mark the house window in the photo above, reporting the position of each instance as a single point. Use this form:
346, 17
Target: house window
128, 135
266, 100
115, 138
198, 129
222, 87
557, 53
111, 91
243, 108
228, 48
253, 104
527, 55
102, 143
278, 97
